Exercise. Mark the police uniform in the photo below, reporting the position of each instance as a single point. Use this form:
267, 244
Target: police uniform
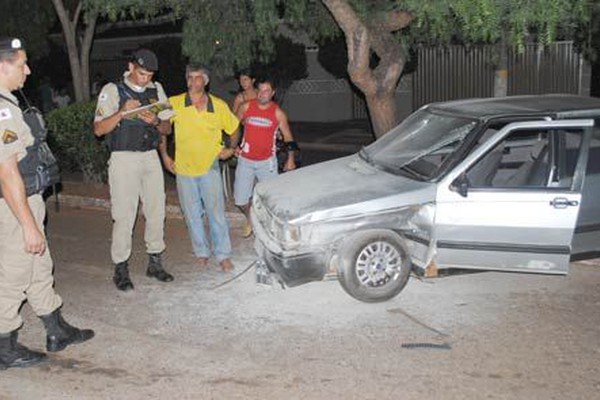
134, 172
23, 274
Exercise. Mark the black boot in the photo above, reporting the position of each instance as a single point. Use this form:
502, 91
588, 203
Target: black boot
61, 334
13, 354
121, 277
155, 269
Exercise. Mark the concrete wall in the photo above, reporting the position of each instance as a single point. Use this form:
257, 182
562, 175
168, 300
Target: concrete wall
335, 100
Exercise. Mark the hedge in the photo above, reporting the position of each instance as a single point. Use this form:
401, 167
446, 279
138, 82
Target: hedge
71, 138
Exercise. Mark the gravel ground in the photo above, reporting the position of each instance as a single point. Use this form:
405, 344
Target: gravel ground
470, 336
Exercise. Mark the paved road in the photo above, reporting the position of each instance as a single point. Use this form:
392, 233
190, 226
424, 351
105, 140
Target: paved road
326, 141
482, 335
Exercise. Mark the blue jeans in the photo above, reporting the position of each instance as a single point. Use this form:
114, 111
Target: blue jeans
199, 195
247, 172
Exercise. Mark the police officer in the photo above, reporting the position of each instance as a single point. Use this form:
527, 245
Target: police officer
26, 168
135, 171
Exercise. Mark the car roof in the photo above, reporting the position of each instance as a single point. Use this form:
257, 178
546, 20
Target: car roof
558, 105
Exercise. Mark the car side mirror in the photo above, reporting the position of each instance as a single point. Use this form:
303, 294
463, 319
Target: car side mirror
462, 185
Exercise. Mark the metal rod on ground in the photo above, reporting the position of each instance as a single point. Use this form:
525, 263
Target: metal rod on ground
235, 277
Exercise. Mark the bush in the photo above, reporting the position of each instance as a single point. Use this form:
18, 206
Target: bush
71, 138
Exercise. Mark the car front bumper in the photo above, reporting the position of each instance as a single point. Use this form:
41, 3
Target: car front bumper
294, 270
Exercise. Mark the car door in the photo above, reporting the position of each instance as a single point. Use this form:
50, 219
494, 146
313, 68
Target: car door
512, 204
586, 242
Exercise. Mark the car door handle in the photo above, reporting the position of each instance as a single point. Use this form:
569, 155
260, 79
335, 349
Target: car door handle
563, 202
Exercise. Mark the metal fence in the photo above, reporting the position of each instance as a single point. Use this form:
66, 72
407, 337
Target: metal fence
457, 72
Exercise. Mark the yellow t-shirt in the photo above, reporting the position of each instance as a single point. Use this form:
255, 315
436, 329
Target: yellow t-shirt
198, 134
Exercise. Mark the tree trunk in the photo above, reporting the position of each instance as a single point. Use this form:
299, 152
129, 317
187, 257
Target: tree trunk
501, 72
378, 84
78, 58
382, 109
84, 55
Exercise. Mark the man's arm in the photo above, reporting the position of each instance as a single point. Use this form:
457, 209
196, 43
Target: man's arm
230, 151
163, 126
235, 136
107, 124
13, 191
288, 138
167, 160
241, 111
237, 102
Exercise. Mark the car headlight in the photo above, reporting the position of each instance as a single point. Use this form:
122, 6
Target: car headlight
291, 233
288, 234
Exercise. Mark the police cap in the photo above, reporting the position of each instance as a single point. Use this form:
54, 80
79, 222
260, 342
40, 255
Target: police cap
145, 59
9, 44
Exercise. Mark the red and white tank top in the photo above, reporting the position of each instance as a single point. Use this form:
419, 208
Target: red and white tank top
260, 128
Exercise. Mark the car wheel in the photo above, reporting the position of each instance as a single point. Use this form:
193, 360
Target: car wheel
374, 266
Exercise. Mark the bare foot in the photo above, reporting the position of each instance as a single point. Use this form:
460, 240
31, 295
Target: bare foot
202, 262
226, 265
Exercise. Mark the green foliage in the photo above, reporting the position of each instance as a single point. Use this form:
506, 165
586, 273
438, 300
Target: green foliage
476, 21
71, 137
227, 35
232, 34
333, 56
588, 36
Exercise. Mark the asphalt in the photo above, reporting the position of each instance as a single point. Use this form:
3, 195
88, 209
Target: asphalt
215, 335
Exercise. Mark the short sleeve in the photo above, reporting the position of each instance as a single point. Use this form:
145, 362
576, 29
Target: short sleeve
13, 135
175, 103
162, 97
229, 121
108, 102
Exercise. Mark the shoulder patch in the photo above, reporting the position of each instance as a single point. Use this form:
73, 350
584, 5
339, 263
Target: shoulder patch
99, 112
9, 137
5, 114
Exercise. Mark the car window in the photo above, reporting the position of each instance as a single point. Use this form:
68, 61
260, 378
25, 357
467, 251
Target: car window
589, 213
423, 140
529, 158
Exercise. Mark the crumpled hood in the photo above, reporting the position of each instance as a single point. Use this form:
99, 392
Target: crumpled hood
333, 184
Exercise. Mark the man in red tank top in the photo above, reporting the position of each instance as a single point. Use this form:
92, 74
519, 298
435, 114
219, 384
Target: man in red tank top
262, 118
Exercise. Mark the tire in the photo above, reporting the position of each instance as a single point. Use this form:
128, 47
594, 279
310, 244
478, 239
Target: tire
374, 266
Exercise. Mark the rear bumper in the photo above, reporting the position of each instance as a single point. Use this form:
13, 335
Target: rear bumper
294, 270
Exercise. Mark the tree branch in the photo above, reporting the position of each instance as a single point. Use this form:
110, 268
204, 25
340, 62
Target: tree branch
396, 20
88, 36
357, 43
62, 16
77, 13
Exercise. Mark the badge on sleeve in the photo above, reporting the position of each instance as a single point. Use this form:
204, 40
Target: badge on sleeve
9, 137
5, 114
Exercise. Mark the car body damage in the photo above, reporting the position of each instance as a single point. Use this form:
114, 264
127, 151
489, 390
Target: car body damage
482, 184
297, 222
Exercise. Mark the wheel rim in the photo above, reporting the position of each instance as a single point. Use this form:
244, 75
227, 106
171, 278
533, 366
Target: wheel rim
378, 263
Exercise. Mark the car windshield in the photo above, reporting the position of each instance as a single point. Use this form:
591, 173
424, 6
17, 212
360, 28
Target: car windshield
419, 145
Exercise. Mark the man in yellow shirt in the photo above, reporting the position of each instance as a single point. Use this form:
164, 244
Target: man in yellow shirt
200, 118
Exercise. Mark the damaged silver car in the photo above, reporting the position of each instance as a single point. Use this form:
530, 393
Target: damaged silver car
507, 184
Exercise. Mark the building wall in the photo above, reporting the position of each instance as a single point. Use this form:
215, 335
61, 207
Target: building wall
323, 100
